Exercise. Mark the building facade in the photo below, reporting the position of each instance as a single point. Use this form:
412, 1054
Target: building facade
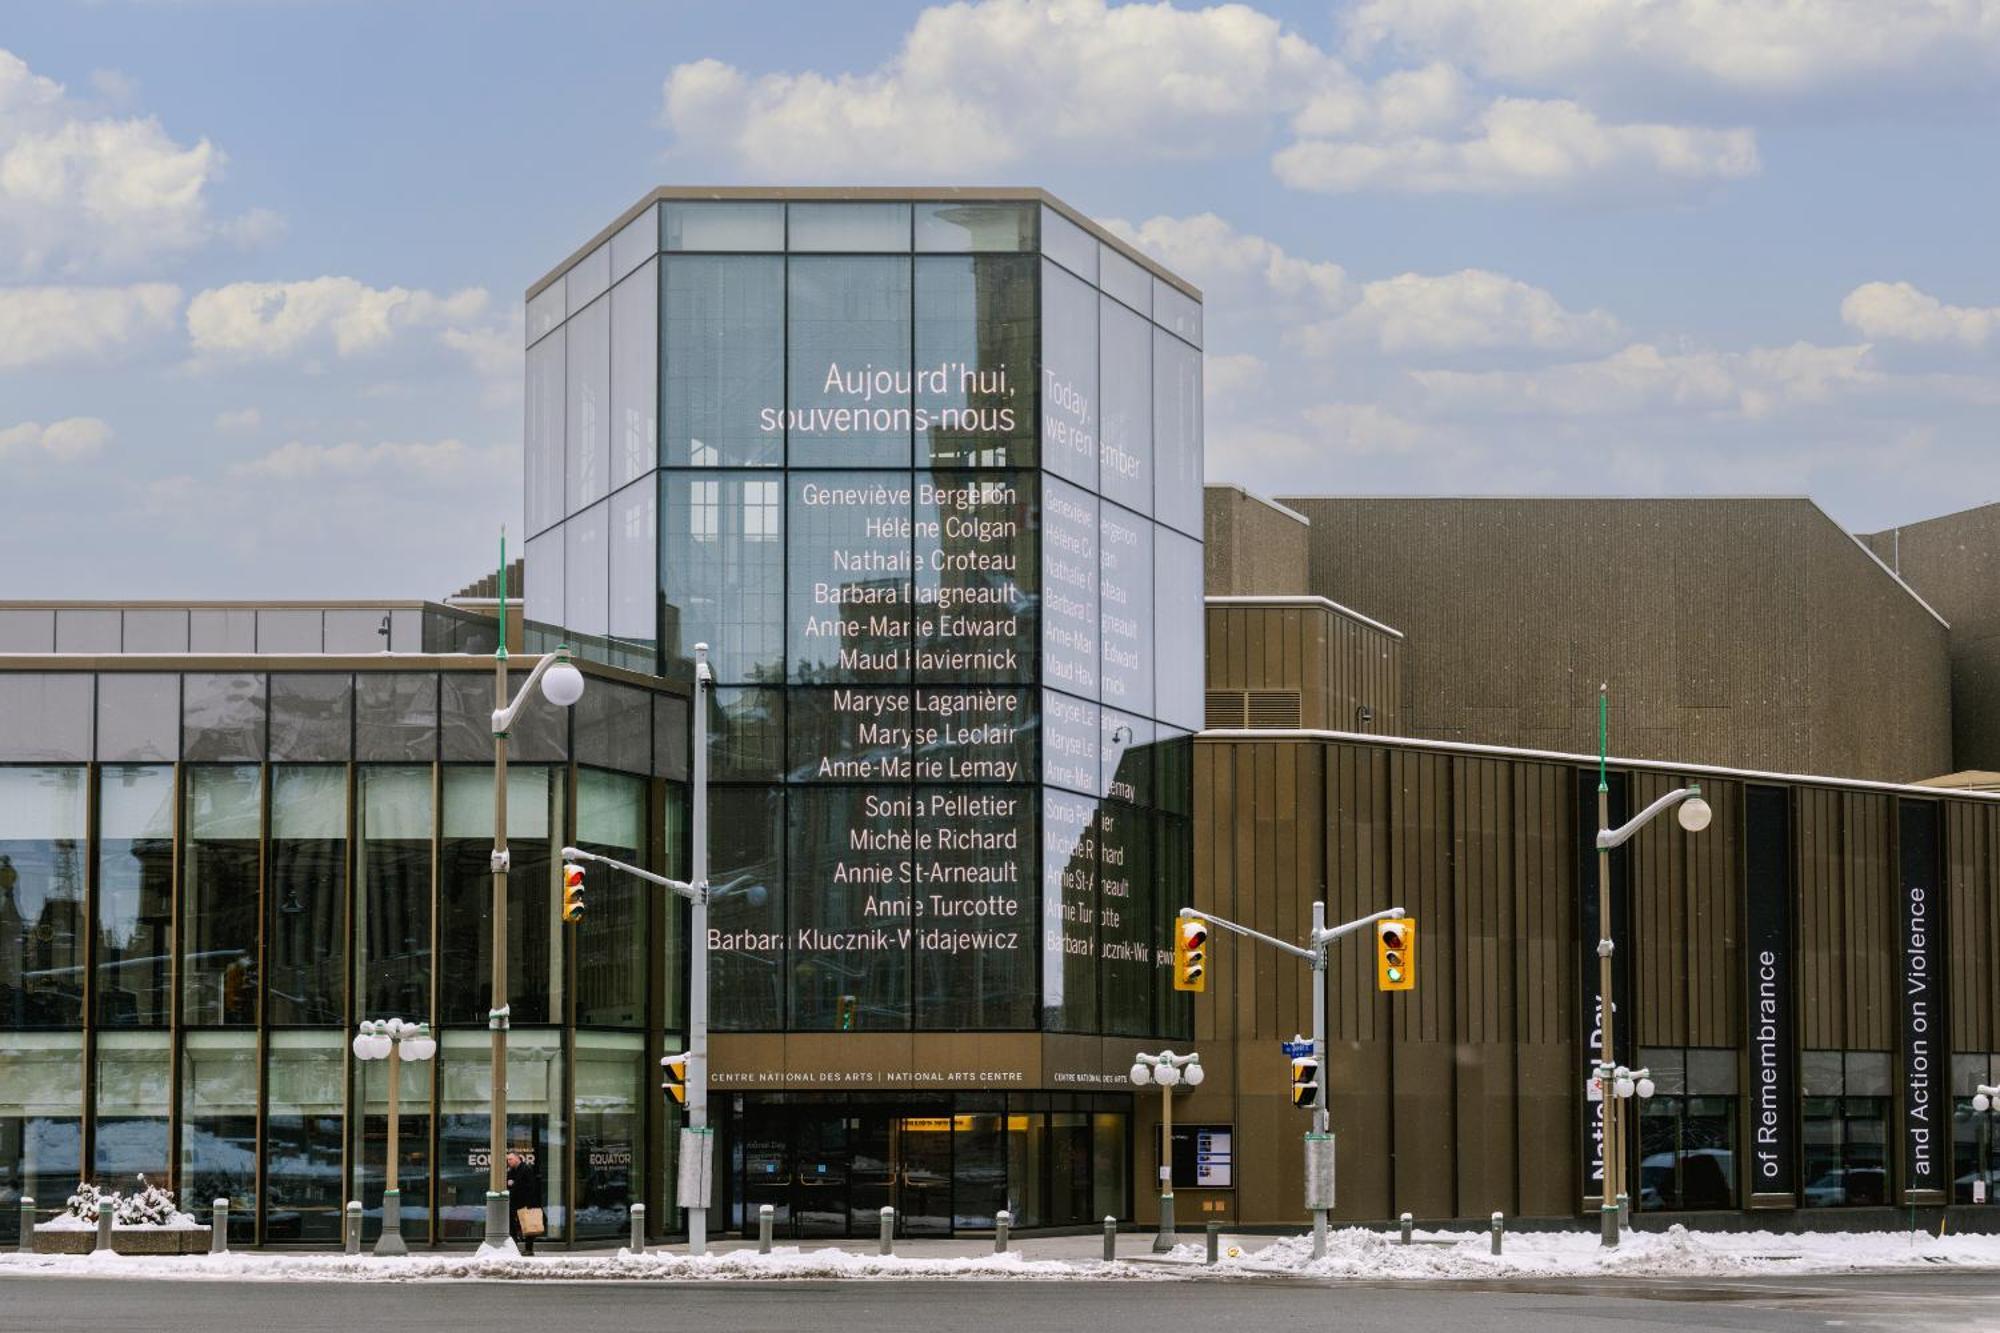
923, 470
214, 865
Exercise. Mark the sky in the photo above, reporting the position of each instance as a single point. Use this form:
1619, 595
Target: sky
262, 261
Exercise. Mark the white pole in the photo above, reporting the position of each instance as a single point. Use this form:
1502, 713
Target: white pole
1319, 1055
697, 1072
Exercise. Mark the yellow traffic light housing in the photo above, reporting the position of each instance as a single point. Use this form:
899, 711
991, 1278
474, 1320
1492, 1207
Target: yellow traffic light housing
1396, 953
675, 1083
572, 903
1305, 1081
1191, 954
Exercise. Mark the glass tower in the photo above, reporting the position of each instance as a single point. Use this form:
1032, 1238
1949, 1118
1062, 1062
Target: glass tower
924, 472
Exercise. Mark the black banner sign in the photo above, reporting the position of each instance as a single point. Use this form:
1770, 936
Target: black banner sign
1927, 1152
1588, 1007
1767, 909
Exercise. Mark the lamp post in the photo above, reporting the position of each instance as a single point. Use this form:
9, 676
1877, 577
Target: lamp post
378, 1040
1609, 1077
562, 685
697, 1156
1169, 1071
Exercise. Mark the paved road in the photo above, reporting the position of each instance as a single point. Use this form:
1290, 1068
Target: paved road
1928, 1300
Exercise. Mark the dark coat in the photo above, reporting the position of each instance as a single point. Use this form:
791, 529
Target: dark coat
524, 1187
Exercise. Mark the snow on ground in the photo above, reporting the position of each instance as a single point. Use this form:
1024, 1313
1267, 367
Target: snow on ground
1352, 1253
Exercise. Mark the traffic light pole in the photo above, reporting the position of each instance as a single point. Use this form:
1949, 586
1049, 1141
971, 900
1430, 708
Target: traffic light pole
697, 1158
1319, 1189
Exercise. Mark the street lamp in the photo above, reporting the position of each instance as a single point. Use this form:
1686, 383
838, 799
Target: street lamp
411, 1041
1169, 1071
562, 685
697, 1156
1693, 815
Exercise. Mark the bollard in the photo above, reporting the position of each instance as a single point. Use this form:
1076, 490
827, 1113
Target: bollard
1499, 1230
1408, 1223
106, 1210
1110, 1238
353, 1240
1624, 1211
888, 1230
767, 1217
1214, 1240
638, 1242
1001, 1221
27, 1244
218, 1235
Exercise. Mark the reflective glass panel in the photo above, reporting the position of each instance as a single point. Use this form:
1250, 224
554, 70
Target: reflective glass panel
1070, 567
722, 571
610, 1131
370, 1139
588, 277
587, 471
306, 914
635, 375
746, 924
302, 1137
850, 226
133, 1090
219, 899
1125, 280
975, 361
1069, 245
850, 909
1177, 621
311, 716
1125, 609
1069, 913
219, 1126
547, 369
43, 842
156, 630
396, 716
222, 630
848, 395
587, 573
849, 734
974, 226
635, 243
537, 1124
135, 902
1177, 434
611, 938
534, 897
849, 577
1069, 377
41, 1122
1125, 465
392, 892
88, 630
1127, 919
614, 727
973, 870
222, 717
722, 225
290, 631
27, 631
723, 364
635, 563
138, 717
543, 577
47, 716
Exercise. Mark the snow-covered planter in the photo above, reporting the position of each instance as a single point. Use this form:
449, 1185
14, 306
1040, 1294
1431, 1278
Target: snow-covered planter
146, 1222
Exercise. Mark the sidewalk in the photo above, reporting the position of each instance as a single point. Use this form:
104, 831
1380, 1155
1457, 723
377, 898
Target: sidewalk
1352, 1254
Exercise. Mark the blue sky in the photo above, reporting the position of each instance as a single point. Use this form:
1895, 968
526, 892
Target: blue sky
261, 261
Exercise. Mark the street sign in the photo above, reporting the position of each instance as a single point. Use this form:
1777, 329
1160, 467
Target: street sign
1296, 1049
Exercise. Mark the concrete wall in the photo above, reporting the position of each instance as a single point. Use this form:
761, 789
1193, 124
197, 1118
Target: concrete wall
1748, 633
1954, 563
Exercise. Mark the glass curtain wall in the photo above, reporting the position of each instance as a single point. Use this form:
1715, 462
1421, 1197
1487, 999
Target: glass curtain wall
221, 895
536, 1124
218, 1154
43, 843
305, 906
368, 1142
392, 897
41, 1123
1845, 1128
135, 902
303, 1155
133, 1089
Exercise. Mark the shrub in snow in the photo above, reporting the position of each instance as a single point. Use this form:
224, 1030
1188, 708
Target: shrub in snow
83, 1204
150, 1207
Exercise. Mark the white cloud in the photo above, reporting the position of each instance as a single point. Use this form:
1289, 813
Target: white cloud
1320, 308
241, 421
42, 326
1518, 145
977, 86
437, 461
1899, 311
980, 86
80, 189
275, 320
1229, 373
1418, 313
494, 354
67, 441
1761, 46
1642, 378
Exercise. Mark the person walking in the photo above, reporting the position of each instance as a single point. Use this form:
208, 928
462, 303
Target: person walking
526, 1219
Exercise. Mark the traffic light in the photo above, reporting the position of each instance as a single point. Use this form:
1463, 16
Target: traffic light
1305, 1081
675, 1085
1191, 954
572, 908
849, 1009
1396, 953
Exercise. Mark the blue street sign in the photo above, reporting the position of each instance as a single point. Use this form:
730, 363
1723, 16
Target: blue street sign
1295, 1050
